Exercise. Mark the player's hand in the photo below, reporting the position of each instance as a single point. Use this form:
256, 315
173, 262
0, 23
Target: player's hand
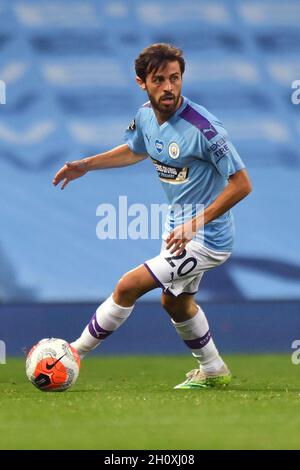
181, 236
70, 171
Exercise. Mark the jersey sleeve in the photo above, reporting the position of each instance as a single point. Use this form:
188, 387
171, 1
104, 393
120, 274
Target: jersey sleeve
217, 148
134, 137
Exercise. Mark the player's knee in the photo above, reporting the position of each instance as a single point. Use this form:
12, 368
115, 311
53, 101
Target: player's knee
125, 290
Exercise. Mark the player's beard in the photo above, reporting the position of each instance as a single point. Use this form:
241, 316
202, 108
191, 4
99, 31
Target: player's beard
167, 108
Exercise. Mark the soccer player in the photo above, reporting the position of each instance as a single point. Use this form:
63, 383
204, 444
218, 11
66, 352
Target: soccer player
196, 164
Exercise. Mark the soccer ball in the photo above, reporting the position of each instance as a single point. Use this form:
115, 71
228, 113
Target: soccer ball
52, 365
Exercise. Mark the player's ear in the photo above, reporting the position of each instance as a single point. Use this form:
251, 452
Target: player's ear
140, 83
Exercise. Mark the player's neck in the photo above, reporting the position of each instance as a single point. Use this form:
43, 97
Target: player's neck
164, 117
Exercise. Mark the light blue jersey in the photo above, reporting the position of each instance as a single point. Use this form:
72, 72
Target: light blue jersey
194, 159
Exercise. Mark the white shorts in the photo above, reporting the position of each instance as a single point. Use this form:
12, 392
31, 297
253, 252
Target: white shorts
182, 274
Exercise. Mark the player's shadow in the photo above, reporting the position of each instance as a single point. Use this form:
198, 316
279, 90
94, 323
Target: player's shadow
82, 390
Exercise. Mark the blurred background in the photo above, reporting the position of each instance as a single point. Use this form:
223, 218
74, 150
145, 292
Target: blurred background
68, 67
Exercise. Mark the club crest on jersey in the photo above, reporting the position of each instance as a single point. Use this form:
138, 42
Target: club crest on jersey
159, 145
174, 150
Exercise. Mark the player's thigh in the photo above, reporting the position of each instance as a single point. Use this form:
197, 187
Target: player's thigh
135, 283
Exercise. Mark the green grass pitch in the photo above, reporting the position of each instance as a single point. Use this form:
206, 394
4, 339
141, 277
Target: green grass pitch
128, 403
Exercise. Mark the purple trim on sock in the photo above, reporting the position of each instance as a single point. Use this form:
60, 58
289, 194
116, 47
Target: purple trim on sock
96, 330
192, 116
198, 343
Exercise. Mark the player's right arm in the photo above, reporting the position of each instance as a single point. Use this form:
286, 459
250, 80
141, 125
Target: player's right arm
115, 158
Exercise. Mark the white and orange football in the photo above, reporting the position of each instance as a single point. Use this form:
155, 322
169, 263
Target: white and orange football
52, 365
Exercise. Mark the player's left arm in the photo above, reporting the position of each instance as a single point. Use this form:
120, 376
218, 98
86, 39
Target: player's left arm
238, 187
218, 150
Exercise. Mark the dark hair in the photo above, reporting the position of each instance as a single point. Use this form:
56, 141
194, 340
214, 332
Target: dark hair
153, 57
